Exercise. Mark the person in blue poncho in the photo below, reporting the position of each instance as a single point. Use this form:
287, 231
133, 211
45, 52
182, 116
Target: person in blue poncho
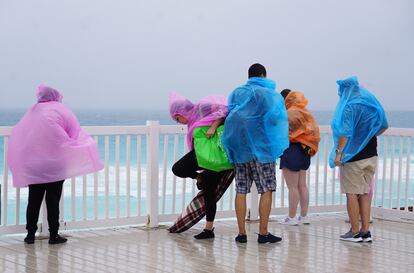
359, 118
255, 135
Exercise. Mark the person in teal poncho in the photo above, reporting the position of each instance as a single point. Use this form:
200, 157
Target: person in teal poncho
255, 135
359, 118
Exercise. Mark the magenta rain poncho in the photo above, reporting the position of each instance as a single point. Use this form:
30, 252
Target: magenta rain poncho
48, 145
203, 113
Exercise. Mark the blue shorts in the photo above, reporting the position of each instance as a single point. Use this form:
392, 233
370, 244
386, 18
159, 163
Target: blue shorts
295, 158
263, 175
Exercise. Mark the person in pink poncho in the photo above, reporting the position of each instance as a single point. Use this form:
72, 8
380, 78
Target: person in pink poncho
47, 146
210, 111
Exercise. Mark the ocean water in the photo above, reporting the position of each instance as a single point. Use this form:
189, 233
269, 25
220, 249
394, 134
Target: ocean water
403, 119
183, 189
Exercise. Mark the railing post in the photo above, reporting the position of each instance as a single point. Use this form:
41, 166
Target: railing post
153, 138
253, 204
3, 206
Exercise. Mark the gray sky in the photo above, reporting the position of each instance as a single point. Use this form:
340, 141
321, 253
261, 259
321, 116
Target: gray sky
131, 53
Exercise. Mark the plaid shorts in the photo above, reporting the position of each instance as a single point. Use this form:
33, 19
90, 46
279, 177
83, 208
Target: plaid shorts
263, 175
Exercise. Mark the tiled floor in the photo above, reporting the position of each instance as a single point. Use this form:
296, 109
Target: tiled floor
313, 248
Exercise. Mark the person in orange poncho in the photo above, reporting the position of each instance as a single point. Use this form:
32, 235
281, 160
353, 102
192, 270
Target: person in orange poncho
304, 140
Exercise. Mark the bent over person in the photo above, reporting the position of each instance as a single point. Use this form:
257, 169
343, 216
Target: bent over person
359, 118
47, 146
209, 111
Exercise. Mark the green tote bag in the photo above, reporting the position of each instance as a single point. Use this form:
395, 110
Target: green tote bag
210, 152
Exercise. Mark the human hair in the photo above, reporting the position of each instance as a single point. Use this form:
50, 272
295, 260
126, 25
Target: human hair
257, 70
285, 92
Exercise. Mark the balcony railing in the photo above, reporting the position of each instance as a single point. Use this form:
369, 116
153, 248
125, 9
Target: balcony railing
137, 185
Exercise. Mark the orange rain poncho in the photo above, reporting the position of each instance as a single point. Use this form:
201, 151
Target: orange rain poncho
302, 125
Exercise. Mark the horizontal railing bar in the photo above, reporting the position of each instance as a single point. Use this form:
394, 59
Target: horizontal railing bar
136, 220
173, 129
399, 132
116, 130
5, 131
181, 129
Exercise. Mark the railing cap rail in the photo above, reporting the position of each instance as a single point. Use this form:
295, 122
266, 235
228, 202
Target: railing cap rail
179, 129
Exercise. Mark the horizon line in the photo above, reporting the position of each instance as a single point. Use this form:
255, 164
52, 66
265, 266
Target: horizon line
164, 109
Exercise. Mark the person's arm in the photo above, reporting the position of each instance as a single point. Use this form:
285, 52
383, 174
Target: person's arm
71, 123
339, 150
212, 130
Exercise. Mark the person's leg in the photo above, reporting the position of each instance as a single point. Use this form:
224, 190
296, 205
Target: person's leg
211, 180
240, 205
186, 166
264, 175
352, 205
292, 182
350, 179
36, 193
365, 211
53, 194
243, 184
353, 235
265, 206
369, 166
303, 194
265, 178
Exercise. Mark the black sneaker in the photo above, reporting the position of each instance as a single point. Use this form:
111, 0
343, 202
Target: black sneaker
57, 239
205, 234
269, 238
241, 238
29, 239
366, 237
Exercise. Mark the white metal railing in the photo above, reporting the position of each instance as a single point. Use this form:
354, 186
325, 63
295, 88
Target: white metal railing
138, 187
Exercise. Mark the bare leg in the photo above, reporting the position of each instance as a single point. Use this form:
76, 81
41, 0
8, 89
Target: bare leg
265, 206
303, 194
365, 211
352, 205
209, 225
292, 180
240, 204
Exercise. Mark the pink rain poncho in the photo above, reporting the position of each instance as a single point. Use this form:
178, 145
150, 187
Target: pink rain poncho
48, 145
204, 113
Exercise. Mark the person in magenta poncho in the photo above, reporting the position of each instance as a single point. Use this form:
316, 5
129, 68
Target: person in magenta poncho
47, 146
210, 111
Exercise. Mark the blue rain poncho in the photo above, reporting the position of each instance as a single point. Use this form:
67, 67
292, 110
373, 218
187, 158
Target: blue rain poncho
358, 116
257, 124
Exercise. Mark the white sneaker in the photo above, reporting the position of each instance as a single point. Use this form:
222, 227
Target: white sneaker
289, 221
303, 220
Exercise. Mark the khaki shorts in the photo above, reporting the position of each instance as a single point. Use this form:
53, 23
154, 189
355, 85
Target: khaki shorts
356, 176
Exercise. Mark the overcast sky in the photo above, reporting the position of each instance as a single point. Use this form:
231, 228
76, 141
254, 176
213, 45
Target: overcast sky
129, 54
